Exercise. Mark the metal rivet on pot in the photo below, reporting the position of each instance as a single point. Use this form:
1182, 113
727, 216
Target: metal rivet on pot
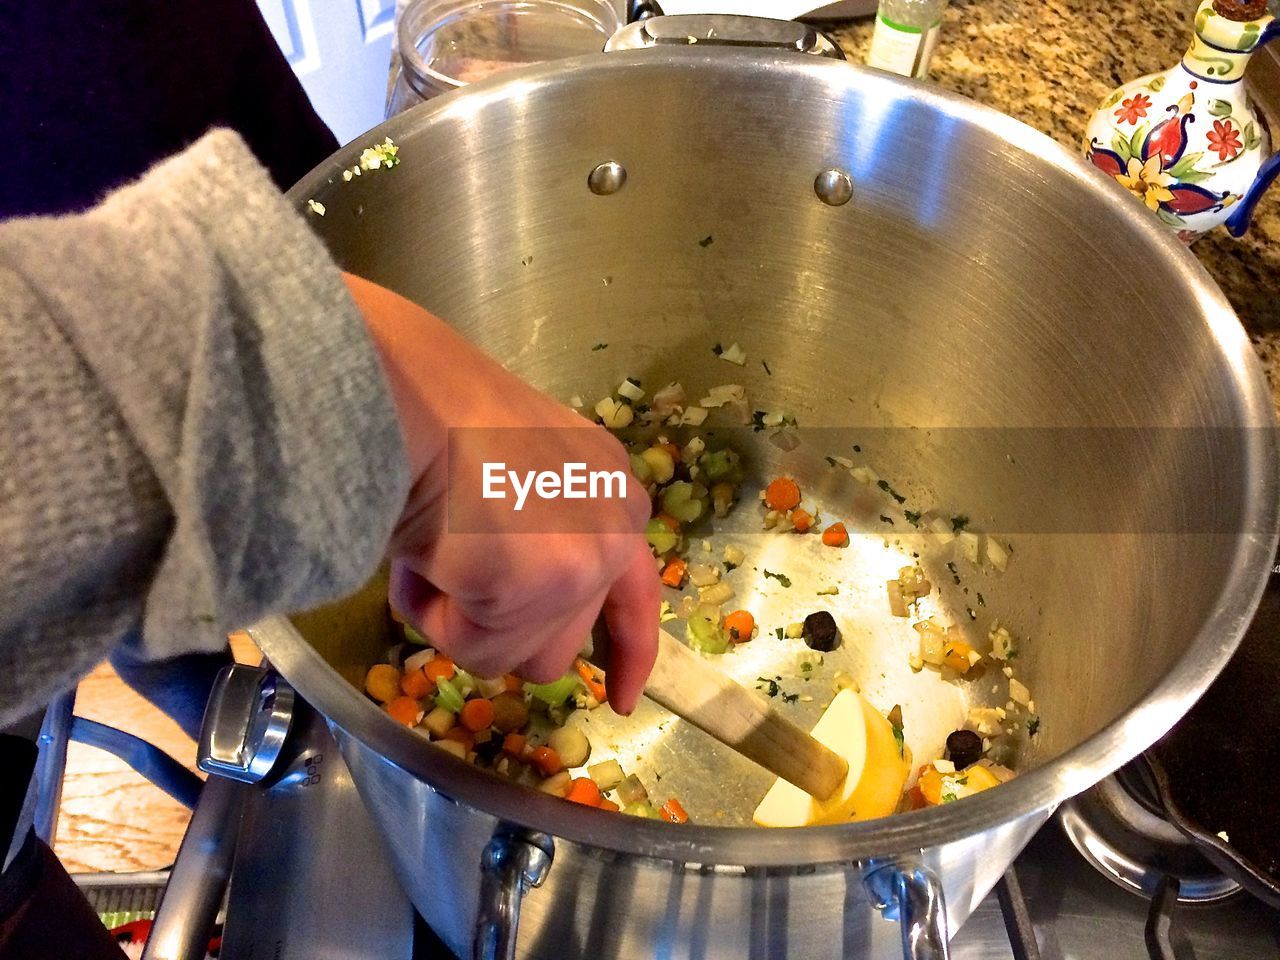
833, 187
607, 178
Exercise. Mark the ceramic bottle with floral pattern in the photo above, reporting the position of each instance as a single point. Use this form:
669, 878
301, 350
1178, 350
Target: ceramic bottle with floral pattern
1187, 142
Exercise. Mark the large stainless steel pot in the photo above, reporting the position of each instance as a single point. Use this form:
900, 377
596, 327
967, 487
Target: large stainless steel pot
979, 276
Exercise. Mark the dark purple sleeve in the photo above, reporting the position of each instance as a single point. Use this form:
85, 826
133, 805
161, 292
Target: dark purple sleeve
93, 92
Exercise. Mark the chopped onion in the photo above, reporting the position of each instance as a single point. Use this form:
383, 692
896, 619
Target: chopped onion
703, 574
693, 417
687, 607
1018, 692
970, 546
941, 526
864, 475
630, 389
576, 402
418, 660
734, 555
843, 462
997, 554
794, 631
693, 450
897, 602
1001, 642
716, 593
726, 393
735, 354
669, 399
785, 439
944, 766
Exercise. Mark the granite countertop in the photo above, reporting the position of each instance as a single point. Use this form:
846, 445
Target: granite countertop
1050, 63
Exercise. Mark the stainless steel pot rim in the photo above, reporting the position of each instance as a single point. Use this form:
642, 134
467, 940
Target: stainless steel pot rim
904, 835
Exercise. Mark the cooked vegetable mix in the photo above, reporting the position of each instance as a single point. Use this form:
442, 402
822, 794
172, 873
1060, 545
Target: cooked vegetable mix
539, 735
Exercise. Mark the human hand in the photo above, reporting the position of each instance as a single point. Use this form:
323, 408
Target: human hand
506, 599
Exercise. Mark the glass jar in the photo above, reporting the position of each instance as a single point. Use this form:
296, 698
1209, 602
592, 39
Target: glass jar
446, 44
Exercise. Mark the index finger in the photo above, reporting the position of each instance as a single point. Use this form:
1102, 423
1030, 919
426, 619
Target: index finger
631, 612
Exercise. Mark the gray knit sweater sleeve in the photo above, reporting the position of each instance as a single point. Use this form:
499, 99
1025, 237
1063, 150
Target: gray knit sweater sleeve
195, 429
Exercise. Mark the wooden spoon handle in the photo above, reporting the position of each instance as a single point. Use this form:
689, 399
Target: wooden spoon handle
694, 690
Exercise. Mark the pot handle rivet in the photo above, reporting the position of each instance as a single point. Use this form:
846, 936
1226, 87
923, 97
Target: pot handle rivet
607, 178
833, 187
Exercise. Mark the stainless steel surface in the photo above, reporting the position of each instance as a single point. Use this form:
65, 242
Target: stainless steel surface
512, 863
51, 762
724, 30
833, 187
245, 724
312, 879
1135, 848
607, 178
980, 277
198, 878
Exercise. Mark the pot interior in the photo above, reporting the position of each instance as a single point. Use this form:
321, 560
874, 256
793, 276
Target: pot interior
986, 325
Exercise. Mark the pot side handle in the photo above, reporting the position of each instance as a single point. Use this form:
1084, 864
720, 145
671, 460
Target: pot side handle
912, 895
719, 30
512, 862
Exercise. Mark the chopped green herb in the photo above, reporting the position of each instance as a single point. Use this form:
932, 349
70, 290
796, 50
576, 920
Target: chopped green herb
599, 346
717, 349
955, 574
780, 633
766, 367
729, 565
790, 697
706, 241
895, 721
806, 667
884, 519
757, 420
831, 461
949, 797
856, 448
913, 517
1033, 725
633, 381
982, 601
961, 781
969, 611
782, 578
525, 261
884, 485
959, 523
770, 686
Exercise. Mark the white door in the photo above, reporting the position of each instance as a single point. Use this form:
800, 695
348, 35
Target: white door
341, 51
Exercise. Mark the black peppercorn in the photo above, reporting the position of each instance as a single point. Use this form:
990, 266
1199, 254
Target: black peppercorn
821, 632
964, 748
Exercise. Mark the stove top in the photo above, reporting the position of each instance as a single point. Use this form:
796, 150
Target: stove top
287, 902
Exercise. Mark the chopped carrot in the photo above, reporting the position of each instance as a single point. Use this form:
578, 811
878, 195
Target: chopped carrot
801, 520
672, 449
740, 625
674, 812
930, 785
836, 535
416, 684
583, 790
512, 683
514, 744
782, 494
591, 677
477, 714
439, 668
462, 735
405, 710
955, 654
382, 682
546, 760
673, 573
609, 805
670, 521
